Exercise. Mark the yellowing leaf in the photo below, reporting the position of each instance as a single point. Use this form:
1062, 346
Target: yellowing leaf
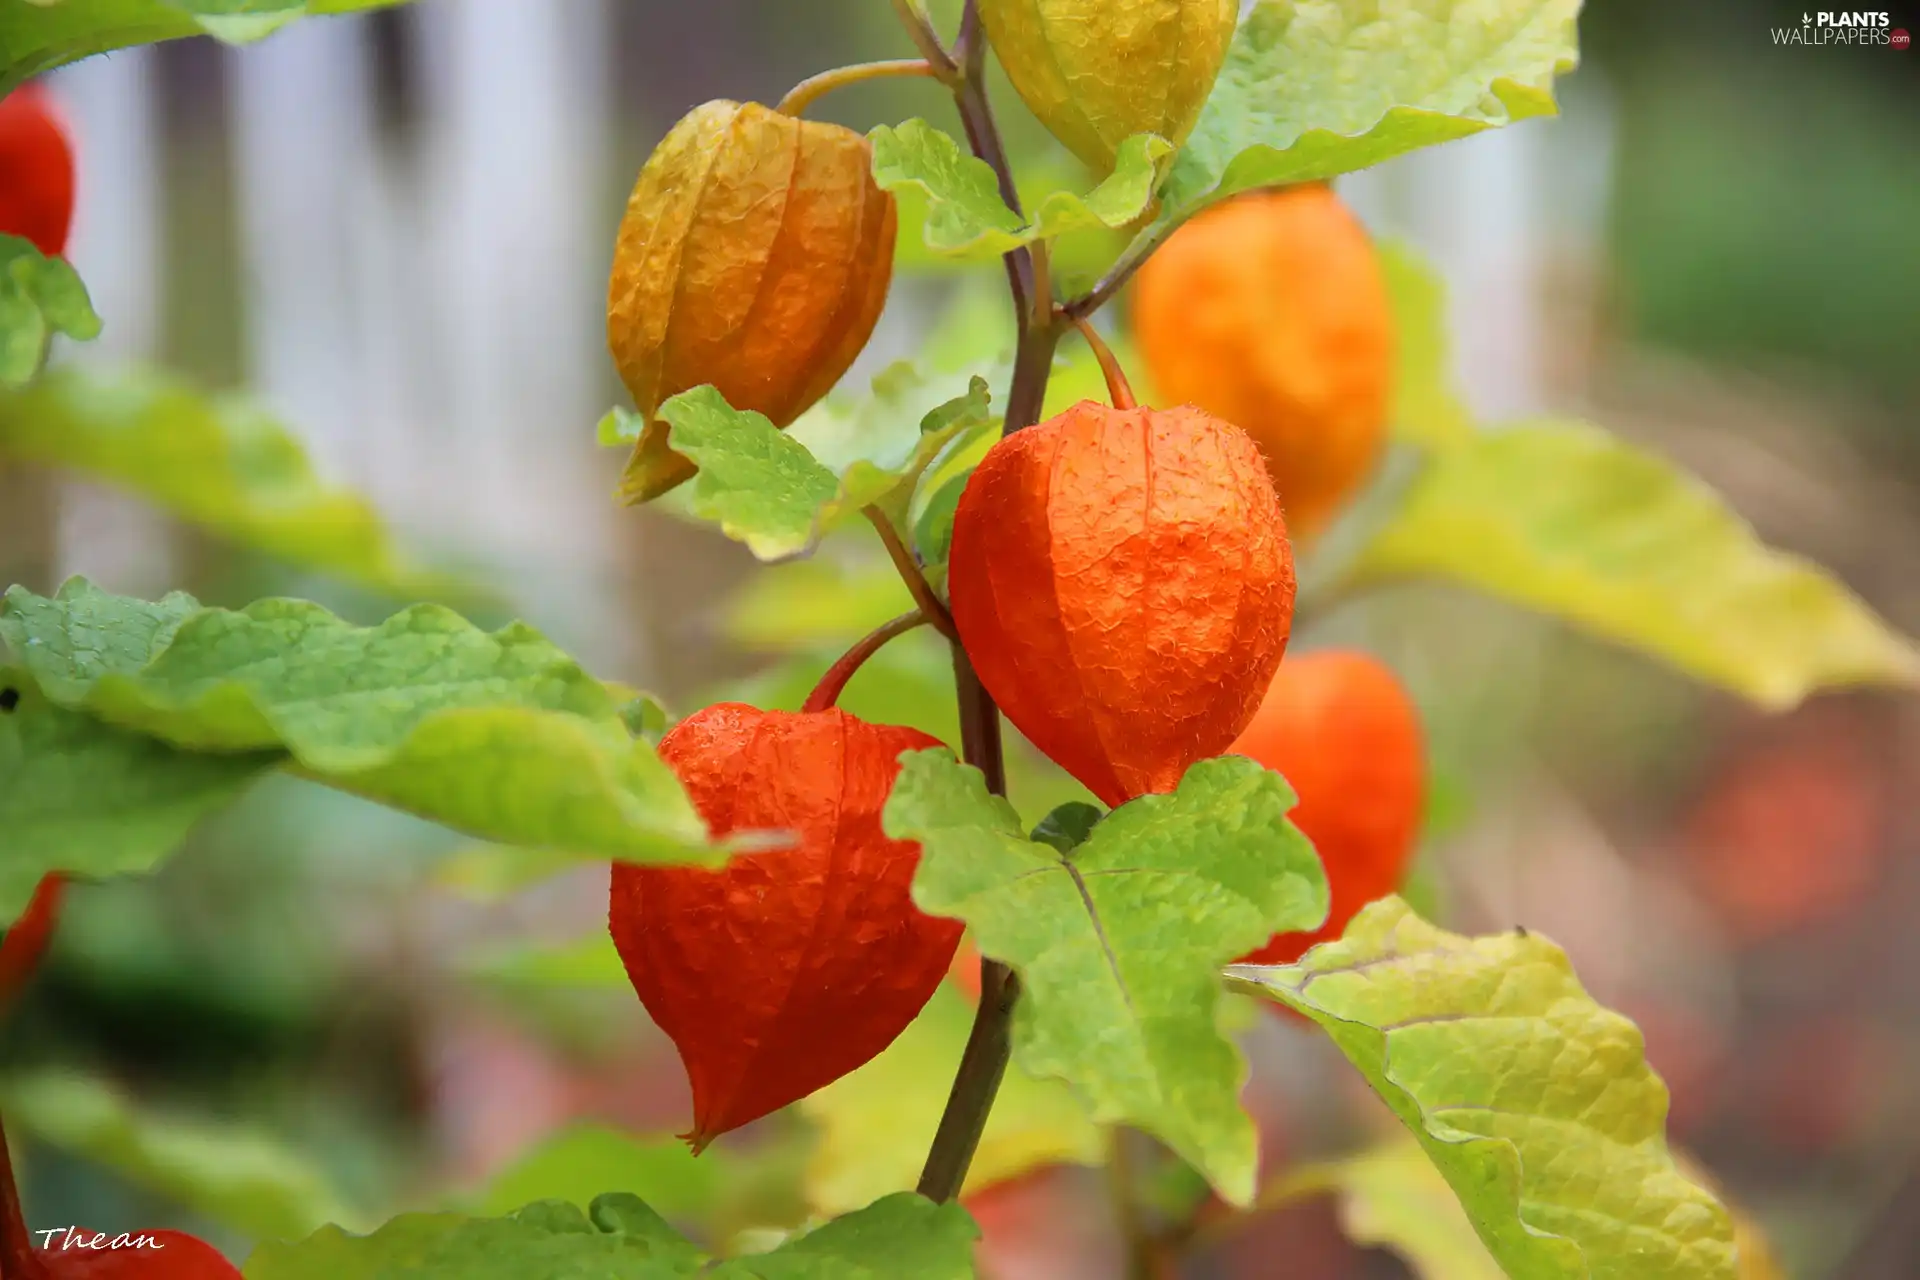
39, 297
876, 1124
1536, 1104
1564, 518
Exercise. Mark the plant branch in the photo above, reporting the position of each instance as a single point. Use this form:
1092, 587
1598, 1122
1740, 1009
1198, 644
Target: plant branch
1119, 390
913, 16
834, 682
910, 573
983, 135
982, 1066
813, 88
1109, 286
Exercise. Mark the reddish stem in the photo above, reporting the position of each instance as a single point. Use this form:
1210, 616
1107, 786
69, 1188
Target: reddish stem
18, 1261
1119, 390
828, 691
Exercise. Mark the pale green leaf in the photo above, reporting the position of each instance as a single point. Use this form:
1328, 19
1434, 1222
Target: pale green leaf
1564, 518
1312, 89
38, 35
620, 1238
875, 1125
496, 734
964, 215
1535, 1103
79, 795
218, 462
240, 1176
582, 1162
1118, 946
1427, 406
780, 492
39, 297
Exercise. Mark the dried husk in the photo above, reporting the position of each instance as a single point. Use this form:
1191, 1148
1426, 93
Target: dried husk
1096, 72
755, 256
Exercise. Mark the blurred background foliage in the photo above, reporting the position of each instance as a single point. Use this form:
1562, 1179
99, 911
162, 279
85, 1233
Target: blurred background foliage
319, 1009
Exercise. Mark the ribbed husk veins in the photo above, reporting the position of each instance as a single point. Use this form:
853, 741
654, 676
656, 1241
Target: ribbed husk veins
784, 970
1124, 588
1341, 728
1272, 311
1096, 72
755, 256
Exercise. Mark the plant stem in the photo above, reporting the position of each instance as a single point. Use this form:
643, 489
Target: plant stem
834, 682
913, 16
982, 1066
983, 135
812, 89
917, 584
1119, 390
17, 1258
1115, 280
1142, 1257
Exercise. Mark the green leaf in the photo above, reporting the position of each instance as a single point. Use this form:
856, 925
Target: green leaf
1118, 947
240, 1176
622, 1239
875, 1125
780, 492
79, 795
964, 213
1535, 1103
496, 734
38, 35
1311, 90
220, 463
1427, 406
582, 1162
1564, 518
39, 297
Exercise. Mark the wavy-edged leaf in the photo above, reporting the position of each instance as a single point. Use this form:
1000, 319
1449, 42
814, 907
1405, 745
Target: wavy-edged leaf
39, 297
780, 492
1311, 90
621, 1238
1565, 518
1118, 944
79, 795
1534, 1102
1428, 409
497, 734
964, 215
238, 1175
221, 463
39, 35
876, 1124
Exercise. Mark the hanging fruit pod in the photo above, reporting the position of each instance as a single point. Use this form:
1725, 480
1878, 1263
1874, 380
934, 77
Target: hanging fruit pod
1097, 72
1123, 585
755, 256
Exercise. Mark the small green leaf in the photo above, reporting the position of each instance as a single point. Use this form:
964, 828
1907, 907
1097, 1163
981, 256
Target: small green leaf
1067, 828
965, 216
780, 492
1564, 518
621, 428
39, 297
240, 1176
582, 1162
499, 735
1311, 90
79, 795
1535, 1103
876, 1124
646, 718
622, 1239
1118, 946
39, 35
220, 463
1427, 406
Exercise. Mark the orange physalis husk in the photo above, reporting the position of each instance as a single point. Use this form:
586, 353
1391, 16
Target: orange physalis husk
1124, 588
755, 257
82, 1254
1272, 311
1341, 728
786, 969
27, 938
36, 171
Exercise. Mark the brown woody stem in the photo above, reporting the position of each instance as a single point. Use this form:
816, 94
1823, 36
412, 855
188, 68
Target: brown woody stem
917, 584
984, 1062
913, 16
834, 682
1119, 390
812, 89
18, 1261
